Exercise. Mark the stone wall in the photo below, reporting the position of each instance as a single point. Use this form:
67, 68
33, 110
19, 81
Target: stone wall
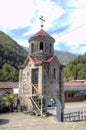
45, 52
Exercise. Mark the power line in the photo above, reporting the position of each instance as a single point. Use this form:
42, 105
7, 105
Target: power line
71, 30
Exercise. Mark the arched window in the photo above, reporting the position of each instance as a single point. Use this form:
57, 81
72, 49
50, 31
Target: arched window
32, 48
54, 73
50, 48
41, 46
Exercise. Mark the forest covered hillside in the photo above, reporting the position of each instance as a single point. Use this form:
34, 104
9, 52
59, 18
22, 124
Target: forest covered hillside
76, 69
65, 57
11, 56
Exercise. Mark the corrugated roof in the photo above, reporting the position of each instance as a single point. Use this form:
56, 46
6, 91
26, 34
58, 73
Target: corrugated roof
75, 83
9, 84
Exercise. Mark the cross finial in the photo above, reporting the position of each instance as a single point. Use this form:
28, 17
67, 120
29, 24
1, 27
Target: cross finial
42, 20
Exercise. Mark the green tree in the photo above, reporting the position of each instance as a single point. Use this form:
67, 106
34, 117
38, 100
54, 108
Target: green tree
8, 73
10, 99
76, 69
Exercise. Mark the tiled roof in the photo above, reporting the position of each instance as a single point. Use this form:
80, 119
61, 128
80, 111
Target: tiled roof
50, 59
34, 59
75, 83
41, 33
9, 85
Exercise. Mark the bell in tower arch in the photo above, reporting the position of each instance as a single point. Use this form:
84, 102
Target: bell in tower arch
42, 45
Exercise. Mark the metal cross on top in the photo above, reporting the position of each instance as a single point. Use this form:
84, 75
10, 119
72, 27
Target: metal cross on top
42, 20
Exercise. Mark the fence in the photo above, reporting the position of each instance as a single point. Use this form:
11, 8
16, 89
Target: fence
75, 116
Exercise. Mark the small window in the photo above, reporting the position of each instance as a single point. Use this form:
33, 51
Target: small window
54, 73
32, 48
44, 89
60, 78
50, 48
41, 45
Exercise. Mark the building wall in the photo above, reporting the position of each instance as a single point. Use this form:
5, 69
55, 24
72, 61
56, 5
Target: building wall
42, 54
50, 85
25, 78
50, 82
53, 86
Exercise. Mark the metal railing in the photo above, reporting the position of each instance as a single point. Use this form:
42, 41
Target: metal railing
75, 116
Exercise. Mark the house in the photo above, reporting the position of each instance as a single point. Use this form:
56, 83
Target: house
41, 77
75, 90
9, 87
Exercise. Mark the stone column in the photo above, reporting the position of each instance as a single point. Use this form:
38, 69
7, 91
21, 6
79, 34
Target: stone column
58, 110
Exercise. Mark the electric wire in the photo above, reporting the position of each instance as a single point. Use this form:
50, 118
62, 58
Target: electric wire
84, 24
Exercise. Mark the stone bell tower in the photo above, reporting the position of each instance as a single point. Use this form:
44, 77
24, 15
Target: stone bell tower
41, 76
41, 45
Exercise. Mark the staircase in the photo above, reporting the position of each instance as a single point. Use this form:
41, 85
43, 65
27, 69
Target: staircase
37, 101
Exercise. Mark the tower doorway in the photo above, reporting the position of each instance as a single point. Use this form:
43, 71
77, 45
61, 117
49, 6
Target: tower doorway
35, 80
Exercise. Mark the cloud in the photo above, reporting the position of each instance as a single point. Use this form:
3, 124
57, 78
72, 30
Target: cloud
75, 39
83, 49
20, 13
24, 43
64, 20
18, 33
75, 36
16, 13
51, 13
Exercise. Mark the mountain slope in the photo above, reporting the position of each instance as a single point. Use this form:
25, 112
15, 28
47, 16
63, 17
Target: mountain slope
65, 57
10, 51
11, 55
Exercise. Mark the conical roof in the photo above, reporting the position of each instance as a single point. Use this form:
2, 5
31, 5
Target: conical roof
42, 33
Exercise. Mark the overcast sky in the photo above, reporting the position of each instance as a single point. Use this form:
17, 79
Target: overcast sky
65, 20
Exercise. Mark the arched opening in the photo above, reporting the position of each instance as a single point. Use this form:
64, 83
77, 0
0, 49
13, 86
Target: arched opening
52, 102
54, 73
51, 106
56, 108
32, 48
41, 46
50, 48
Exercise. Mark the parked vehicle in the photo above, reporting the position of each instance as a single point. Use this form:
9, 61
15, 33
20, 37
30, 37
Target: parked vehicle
52, 103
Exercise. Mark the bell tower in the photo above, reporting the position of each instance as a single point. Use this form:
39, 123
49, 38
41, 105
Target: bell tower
42, 44
41, 77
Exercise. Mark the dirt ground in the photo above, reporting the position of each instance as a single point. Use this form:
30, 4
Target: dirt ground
21, 121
